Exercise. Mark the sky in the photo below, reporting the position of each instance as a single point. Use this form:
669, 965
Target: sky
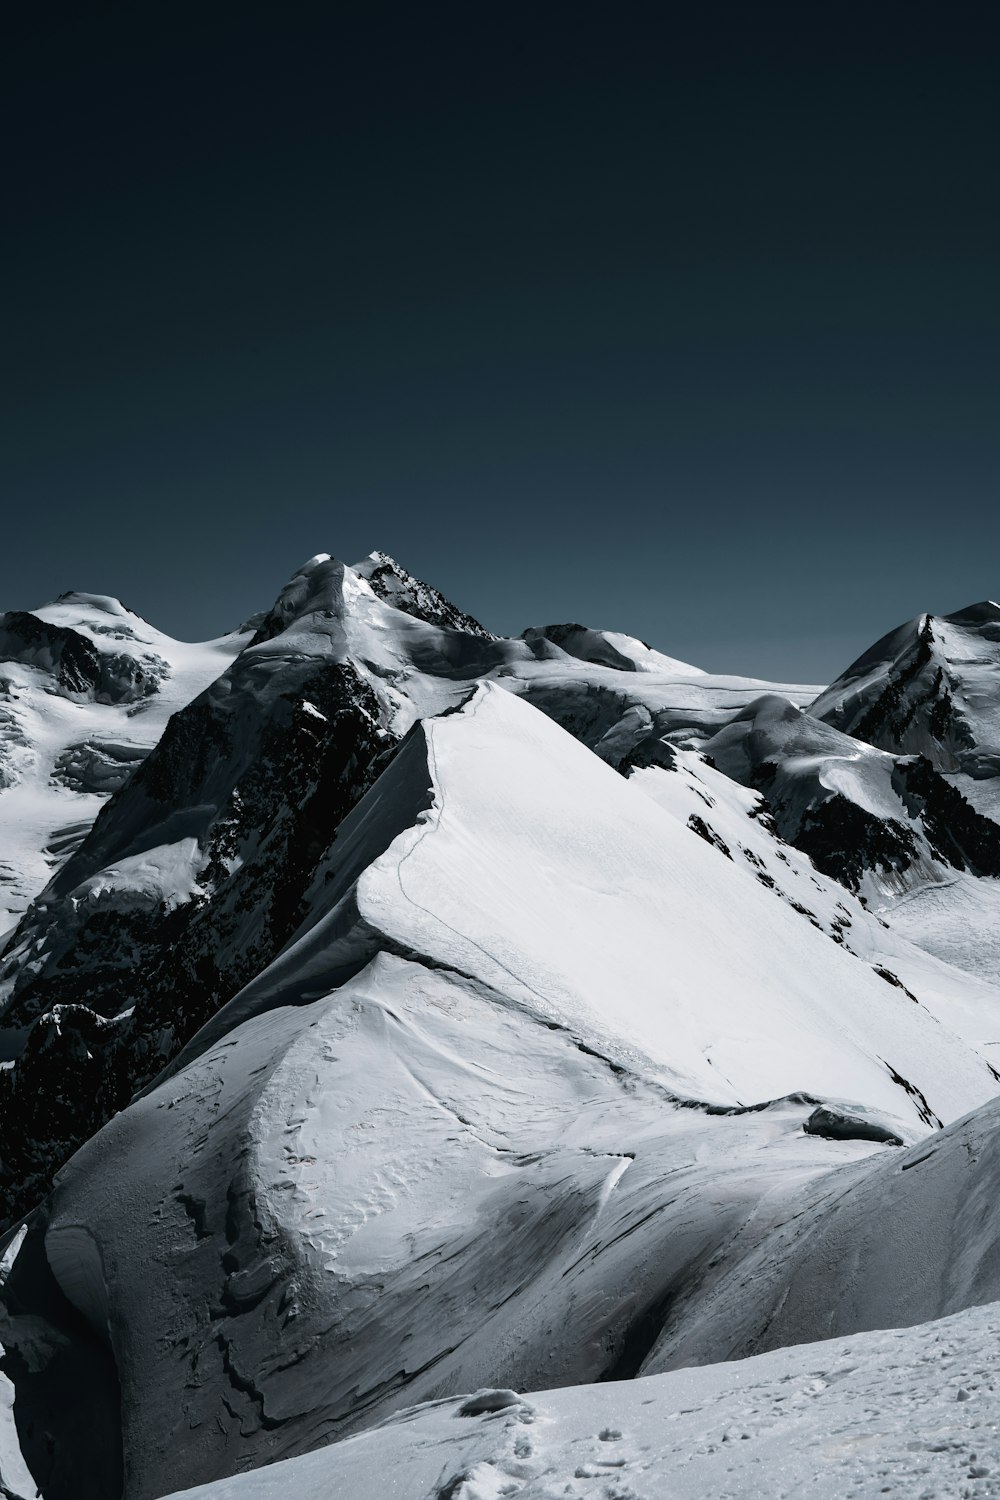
678, 319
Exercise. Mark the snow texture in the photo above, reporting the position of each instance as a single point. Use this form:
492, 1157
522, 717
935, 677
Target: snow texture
493, 1032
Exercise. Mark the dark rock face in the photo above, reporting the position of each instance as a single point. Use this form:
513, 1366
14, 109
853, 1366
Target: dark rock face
851, 810
75, 664
957, 834
845, 841
578, 640
68, 1392
400, 589
838, 1125
915, 691
890, 713
269, 803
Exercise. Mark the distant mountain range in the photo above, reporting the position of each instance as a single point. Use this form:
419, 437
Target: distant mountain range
391, 1011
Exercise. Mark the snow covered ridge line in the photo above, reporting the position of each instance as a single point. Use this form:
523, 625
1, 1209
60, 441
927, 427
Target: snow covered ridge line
496, 1045
618, 965
239, 770
193, 877
928, 687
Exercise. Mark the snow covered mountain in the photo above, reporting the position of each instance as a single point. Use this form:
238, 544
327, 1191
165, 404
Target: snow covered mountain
486, 1024
928, 688
86, 689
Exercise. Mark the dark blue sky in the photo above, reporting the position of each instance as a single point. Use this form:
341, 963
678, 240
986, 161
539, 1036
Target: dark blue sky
677, 319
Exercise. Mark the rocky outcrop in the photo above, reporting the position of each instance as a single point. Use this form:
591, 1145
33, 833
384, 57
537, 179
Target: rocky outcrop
76, 666
113, 974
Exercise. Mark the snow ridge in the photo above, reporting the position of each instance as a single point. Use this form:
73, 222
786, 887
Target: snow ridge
408, 1012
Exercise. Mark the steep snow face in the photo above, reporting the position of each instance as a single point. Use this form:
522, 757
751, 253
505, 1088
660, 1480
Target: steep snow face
491, 1060
540, 872
404, 592
932, 689
194, 877
197, 873
738, 824
191, 881
400, 1190
908, 1412
928, 688
911, 1238
427, 1148
86, 689
881, 824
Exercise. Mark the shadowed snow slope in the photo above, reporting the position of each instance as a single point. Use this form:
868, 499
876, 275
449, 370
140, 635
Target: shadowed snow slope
915, 1236
608, 648
878, 822
451, 1135
907, 1413
471, 1058
195, 874
539, 871
930, 687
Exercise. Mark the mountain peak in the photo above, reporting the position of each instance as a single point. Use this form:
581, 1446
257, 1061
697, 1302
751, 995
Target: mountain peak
317, 586
926, 688
986, 612
393, 584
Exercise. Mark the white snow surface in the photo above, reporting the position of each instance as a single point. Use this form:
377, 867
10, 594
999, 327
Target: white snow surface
452, 1136
522, 1104
541, 872
938, 966
64, 755
963, 661
909, 1412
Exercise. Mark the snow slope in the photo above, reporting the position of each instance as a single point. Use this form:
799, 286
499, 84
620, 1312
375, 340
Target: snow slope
930, 688
737, 823
908, 1413
195, 874
540, 872
490, 1061
70, 738
484, 1119
883, 824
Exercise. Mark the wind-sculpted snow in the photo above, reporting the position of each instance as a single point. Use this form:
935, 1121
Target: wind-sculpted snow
193, 877
908, 1413
196, 872
481, 1033
738, 824
189, 883
913, 1236
400, 1190
454, 1134
609, 648
932, 688
540, 872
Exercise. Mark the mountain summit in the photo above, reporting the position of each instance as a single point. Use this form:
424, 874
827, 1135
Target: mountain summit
392, 1011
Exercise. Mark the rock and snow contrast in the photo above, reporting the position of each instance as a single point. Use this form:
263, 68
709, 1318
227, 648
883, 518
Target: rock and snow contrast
86, 689
397, 1017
